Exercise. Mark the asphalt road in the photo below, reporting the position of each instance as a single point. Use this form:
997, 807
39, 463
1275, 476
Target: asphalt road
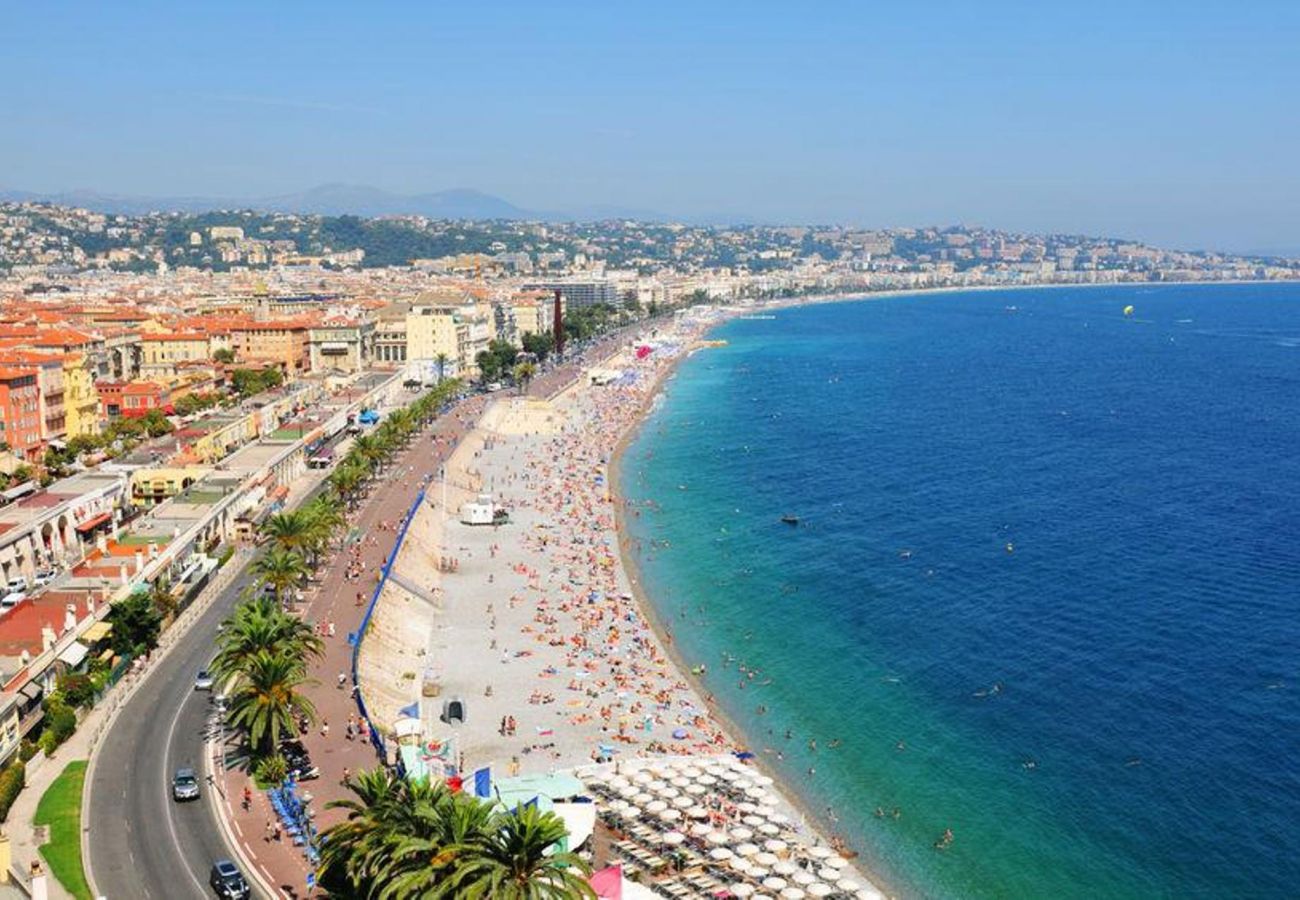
143, 844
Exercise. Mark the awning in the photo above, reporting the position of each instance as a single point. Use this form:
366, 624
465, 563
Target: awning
579, 821
32, 691
96, 632
74, 654
94, 522
19, 490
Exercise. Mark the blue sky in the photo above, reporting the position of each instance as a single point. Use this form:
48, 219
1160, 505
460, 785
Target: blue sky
1172, 122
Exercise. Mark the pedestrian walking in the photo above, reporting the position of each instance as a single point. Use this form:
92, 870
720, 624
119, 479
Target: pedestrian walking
270, 831
343, 678
325, 728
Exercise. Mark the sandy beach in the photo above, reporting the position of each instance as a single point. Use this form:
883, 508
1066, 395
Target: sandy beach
538, 627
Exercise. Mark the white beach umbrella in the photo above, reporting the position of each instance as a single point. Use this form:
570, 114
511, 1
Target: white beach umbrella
683, 802
769, 829
837, 862
767, 798
618, 805
779, 818
655, 806
670, 815
848, 885
741, 784
695, 790
738, 863
697, 812
747, 808
775, 883
792, 893
766, 859
643, 798
752, 820
757, 872
784, 868
672, 838
717, 837
818, 889
643, 777
721, 854
870, 894
668, 792
820, 852
764, 780
618, 781
756, 792
746, 849
632, 812
680, 781
741, 889
628, 790
703, 829
707, 780
691, 771
773, 845
826, 873
742, 833
802, 878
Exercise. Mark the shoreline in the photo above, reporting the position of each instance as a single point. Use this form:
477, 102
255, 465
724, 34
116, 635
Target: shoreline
817, 824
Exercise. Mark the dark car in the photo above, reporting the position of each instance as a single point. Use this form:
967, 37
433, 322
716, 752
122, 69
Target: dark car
298, 761
228, 881
185, 785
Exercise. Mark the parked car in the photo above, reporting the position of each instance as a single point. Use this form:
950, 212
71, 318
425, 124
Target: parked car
12, 599
298, 761
185, 785
228, 881
18, 584
203, 680
45, 577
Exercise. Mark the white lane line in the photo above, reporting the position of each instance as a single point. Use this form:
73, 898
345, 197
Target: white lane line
169, 808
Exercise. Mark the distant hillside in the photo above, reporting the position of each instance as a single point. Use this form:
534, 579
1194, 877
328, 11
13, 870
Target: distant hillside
336, 200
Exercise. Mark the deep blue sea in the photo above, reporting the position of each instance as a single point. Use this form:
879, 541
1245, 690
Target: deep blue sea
1044, 591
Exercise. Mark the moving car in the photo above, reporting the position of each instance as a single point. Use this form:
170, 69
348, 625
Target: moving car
203, 680
228, 881
298, 761
185, 785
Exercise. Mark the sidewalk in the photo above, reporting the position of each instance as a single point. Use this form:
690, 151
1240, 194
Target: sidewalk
333, 600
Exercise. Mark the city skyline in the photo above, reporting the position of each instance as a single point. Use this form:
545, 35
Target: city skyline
1158, 125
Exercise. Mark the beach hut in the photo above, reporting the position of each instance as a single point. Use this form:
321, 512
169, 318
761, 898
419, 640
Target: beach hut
454, 711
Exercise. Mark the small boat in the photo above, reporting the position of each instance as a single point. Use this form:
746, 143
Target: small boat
790, 520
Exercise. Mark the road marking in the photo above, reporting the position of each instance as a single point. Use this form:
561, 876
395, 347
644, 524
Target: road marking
169, 807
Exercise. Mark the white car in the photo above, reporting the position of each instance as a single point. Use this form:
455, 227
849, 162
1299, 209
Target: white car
44, 578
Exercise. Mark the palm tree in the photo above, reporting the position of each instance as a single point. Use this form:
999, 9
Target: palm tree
516, 863
281, 569
268, 700
324, 519
287, 530
524, 373
162, 597
441, 359
347, 480
260, 626
370, 449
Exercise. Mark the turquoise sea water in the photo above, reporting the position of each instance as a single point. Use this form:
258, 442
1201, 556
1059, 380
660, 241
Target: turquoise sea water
1045, 590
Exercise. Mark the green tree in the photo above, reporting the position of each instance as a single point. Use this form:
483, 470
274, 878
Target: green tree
268, 699
162, 597
136, 623
523, 374
155, 423
259, 626
225, 356
282, 569
518, 862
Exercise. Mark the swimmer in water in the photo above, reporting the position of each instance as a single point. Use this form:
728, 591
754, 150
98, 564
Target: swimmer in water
900, 746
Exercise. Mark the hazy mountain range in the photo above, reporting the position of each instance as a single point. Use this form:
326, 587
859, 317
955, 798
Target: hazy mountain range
335, 200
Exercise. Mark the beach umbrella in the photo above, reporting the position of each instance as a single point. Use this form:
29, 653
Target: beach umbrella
672, 838
670, 815
691, 772
738, 863
747, 807
628, 790
767, 798
695, 790
820, 852
826, 873
837, 862
817, 889
655, 806
632, 812
746, 849
742, 784
707, 780
643, 777
643, 798
779, 818
721, 854
792, 893
618, 781
752, 820
848, 885
680, 781
769, 829
773, 845
697, 812
757, 872
741, 834
683, 802
669, 793
764, 780
717, 837
784, 868
870, 894
802, 878
756, 792
741, 889
766, 859
618, 805
775, 883
701, 829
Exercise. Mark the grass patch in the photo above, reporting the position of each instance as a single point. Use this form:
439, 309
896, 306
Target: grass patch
60, 809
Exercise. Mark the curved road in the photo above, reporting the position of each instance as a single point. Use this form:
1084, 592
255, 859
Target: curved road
142, 844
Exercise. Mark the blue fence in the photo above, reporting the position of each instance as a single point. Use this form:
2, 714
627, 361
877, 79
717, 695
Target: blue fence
375, 737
